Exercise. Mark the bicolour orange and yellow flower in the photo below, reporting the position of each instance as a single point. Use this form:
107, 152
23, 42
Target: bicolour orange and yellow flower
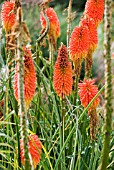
87, 91
62, 78
54, 28
95, 9
79, 43
8, 15
35, 149
93, 36
29, 78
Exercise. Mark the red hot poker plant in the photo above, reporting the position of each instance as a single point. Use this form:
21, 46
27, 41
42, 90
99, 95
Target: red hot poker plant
79, 43
78, 46
87, 91
8, 16
95, 9
35, 149
93, 40
93, 36
62, 78
29, 78
54, 29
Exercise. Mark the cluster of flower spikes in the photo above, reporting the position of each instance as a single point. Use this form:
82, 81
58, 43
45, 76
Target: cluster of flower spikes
8, 15
35, 149
62, 78
54, 28
29, 78
83, 40
87, 91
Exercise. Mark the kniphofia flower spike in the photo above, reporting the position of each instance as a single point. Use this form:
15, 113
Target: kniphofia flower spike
8, 16
78, 47
93, 40
93, 36
35, 149
54, 29
79, 43
62, 78
87, 91
29, 78
95, 9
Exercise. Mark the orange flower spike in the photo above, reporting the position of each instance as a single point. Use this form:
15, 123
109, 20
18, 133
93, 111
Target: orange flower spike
62, 78
79, 43
35, 150
29, 78
54, 30
93, 36
8, 16
95, 9
87, 91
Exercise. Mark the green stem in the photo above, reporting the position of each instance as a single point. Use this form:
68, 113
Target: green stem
51, 52
6, 110
18, 142
77, 70
108, 83
63, 130
6, 98
76, 90
75, 103
74, 152
69, 21
38, 61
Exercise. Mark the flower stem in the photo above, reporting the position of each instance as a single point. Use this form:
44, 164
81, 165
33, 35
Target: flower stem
47, 28
69, 21
108, 83
77, 69
63, 130
76, 89
88, 65
93, 123
22, 107
22, 110
51, 52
